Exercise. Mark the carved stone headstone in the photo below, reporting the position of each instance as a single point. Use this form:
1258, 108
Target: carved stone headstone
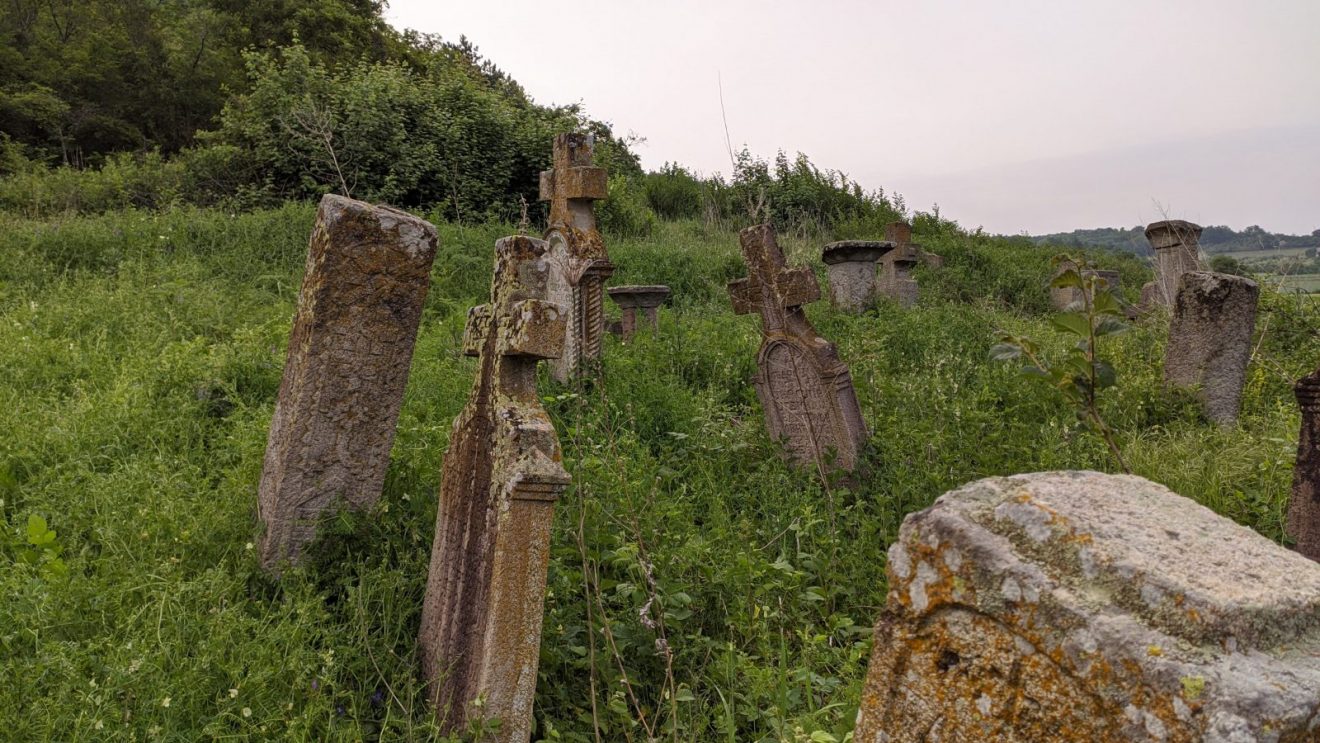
1210, 340
1078, 606
481, 620
1304, 504
1068, 296
896, 281
851, 268
805, 390
633, 298
579, 264
1177, 251
368, 269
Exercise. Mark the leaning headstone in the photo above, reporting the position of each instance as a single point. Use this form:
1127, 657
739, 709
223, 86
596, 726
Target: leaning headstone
1304, 504
1177, 251
1209, 346
368, 269
579, 264
630, 299
1078, 606
896, 276
1070, 296
805, 390
481, 617
850, 266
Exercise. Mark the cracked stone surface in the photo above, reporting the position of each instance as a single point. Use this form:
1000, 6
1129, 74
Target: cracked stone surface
1209, 346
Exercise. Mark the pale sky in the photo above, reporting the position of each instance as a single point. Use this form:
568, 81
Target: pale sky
1019, 116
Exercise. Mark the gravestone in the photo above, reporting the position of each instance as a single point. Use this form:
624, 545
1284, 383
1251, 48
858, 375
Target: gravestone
1209, 346
1078, 606
896, 276
630, 299
805, 390
1177, 251
1304, 503
1061, 298
850, 266
578, 261
368, 269
481, 617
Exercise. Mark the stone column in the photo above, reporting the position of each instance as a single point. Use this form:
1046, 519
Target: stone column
368, 269
1177, 251
1304, 503
1078, 606
630, 299
851, 268
1209, 346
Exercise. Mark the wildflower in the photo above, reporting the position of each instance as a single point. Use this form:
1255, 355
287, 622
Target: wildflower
233, 693
247, 711
165, 702
99, 725
247, 546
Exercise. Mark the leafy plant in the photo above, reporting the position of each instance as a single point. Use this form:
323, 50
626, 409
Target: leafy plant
43, 550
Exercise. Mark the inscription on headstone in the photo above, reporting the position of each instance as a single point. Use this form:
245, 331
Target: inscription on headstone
481, 619
851, 268
630, 299
1209, 346
368, 269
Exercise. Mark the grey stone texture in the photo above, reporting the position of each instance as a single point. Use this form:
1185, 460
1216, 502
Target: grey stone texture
1177, 251
1304, 502
1079, 606
368, 271
631, 299
1209, 346
850, 266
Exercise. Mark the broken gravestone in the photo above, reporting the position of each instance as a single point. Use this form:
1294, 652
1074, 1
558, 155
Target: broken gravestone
1177, 251
368, 269
1209, 346
1304, 504
805, 390
630, 299
1063, 297
578, 262
1078, 606
851, 268
896, 280
481, 617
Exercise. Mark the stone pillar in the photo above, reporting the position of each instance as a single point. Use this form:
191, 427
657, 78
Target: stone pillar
578, 261
1304, 503
805, 390
1177, 251
630, 299
897, 282
485, 591
368, 269
1078, 606
1209, 346
850, 265
1064, 297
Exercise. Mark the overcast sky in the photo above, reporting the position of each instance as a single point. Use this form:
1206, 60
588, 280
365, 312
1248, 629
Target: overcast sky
1020, 116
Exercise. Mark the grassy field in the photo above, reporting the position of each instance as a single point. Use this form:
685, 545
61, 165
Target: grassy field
141, 354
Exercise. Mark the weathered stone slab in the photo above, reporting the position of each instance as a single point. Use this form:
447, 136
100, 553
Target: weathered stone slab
851, 268
630, 299
1062, 298
579, 263
1210, 340
1177, 251
1078, 606
368, 270
481, 619
805, 390
1304, 503
896, 280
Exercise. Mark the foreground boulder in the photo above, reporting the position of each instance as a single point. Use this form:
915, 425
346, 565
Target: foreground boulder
1077, 606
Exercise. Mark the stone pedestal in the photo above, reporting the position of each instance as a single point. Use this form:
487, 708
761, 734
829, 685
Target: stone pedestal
851, 267
1069, 296
1177, 251
1077, 606
630, 299
1304, 503
1210, 340
481, 618
368, 269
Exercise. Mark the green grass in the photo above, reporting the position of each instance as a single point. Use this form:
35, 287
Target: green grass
141, 354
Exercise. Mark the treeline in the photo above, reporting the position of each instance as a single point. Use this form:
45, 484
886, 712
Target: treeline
1214, 239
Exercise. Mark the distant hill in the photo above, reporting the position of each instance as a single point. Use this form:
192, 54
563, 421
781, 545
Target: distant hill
1215, 239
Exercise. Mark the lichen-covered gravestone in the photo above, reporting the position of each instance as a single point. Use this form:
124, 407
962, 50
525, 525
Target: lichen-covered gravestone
368, 269
1078, 606
896, 276
805, 390
1177, 250
1210, 340
578, 261
481, 618
850, 266
1304, 503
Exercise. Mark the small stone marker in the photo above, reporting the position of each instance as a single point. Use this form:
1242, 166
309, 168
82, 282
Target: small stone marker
806, 391
1078, 606
1177, 251
577, 258
368, 269
1304, 504
897, 282
1064, 297
485, 591
1210, 340
633, 298
851, 267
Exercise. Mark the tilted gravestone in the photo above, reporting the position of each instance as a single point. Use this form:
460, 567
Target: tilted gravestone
1177, 251
368, 270
630, 299
1209, 346
481, 617
896, 277
1078, 606
805, 390
577, 257
1304, 503
850, 266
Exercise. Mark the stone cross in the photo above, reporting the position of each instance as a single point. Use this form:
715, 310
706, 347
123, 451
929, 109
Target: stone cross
633, 298
850, 266
481, 617
578, 260
1214, 315
1177, 251
805, 390
897, 282
368, 270
1304, 503
1078, 606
